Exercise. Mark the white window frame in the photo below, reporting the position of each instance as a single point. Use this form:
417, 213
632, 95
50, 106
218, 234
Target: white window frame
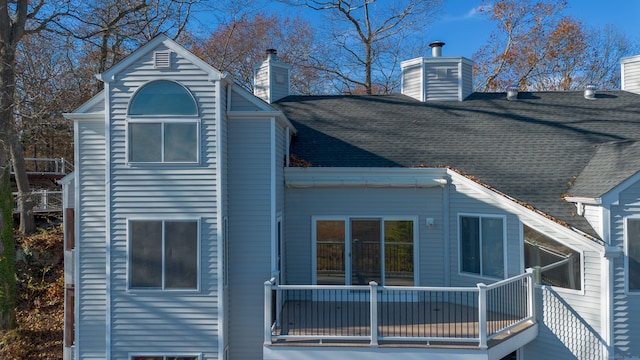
627, 290
347, 221
504, 245
198, 222
164, 355
580, 252
162, 121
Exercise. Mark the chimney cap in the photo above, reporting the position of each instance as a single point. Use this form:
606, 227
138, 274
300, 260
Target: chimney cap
436, 48
272, 53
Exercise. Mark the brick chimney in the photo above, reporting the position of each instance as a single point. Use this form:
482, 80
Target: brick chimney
271, 78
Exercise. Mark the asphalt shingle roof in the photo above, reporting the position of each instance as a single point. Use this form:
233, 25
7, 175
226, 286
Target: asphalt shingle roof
611, 164
532, 149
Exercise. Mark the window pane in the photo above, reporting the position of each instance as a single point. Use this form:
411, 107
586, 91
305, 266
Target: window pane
146, 254
145, 142
560, 264
163, 98
398, 253
492, 247
180, 142
470, 244
181, 254
330, 264
633, 256
365, 251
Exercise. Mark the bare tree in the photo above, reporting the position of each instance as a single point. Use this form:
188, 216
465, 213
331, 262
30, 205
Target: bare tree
367, 37
237, 45
111, 29
537, 47
17, 19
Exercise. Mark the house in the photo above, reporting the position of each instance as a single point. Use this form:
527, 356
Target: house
205, 222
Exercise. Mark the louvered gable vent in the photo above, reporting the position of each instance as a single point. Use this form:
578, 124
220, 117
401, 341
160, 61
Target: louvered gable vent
162, 59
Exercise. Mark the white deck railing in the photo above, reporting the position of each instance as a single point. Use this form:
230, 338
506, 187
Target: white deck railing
396, 313
47, 166
43, 201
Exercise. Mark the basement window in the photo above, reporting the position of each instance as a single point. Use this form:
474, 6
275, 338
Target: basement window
559, 265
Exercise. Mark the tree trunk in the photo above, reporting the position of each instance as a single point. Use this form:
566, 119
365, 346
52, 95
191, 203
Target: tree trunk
7, 249
25, 199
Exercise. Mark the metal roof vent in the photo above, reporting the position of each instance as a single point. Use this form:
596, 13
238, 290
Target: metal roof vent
436, 48
162, 59
590, 92
512, 92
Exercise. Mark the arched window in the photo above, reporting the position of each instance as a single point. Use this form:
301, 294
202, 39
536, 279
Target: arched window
163, 124
162, 97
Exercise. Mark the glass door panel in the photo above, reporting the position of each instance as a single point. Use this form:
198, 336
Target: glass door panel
330, 252
365, 251
398, 253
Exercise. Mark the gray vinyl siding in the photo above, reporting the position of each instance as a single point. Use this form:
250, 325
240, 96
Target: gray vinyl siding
302, 204
160, 321
626, 318
241, 103
631, 73
250, 231
570, 320
412, 81
90, 241
261, 81
594, 214
441, 88
279, 82
467, 79
467, 201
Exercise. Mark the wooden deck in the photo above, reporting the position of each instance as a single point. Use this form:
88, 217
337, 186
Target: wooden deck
455, 324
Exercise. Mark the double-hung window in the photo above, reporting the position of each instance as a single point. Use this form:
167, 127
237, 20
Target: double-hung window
633, 253
163, 254
163, 124
482, 244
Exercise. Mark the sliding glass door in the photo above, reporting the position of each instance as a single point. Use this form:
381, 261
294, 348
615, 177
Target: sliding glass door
356, 251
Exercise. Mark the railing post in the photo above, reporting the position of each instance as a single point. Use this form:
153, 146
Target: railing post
267, 312
537, 274
482, 315
373, 312
531, 293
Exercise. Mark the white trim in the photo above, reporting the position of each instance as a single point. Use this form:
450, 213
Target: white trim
480, 216
162, 122
580, 252
82, 109
318, 177
107, 220
267, 114
527, 215
77, 247
221, 221
625, 234
162, 39
584, 200
184, 218
163, 354
273, 191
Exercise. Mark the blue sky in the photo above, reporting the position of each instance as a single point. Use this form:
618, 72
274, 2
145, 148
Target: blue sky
464, 31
